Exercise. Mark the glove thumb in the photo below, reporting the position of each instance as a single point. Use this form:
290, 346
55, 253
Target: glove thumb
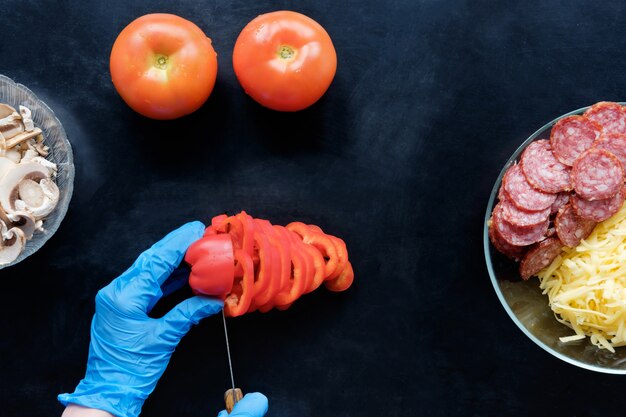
252, 405
189, 312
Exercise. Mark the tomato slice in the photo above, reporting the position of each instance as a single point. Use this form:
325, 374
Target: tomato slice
320, 241
233, 227
343, 281
217, 220
239, 299
302, 248
296, 285
247, 225
318, 266
212, 265
342, 256
315, 228
278, 265
263, 272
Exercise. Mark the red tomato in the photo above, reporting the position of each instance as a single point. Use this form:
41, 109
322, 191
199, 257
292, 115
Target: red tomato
212, 265
163, 66
284, 60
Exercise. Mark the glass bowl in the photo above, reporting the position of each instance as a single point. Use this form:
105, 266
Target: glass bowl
14, 95
528, 307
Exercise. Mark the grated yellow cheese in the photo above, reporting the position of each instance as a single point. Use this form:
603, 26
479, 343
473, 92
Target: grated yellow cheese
586, 285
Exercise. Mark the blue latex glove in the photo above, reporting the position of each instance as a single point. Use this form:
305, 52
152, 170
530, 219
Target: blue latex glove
129, 351
251, 405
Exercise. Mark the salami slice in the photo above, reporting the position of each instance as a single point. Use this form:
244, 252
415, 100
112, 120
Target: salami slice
571, 228
611, 116
561, 200
614, 143
598, 210
539, 256
542, 170
518, 217
571, 136
522, 194
518, 235
597, 174
502, 246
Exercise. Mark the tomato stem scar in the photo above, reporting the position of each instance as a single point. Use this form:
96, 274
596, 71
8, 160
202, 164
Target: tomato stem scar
286, 52
161, 62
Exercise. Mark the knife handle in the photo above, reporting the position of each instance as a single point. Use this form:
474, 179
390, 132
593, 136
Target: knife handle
232, 397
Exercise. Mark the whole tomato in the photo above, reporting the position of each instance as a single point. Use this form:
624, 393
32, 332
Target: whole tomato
163, 66
284, 60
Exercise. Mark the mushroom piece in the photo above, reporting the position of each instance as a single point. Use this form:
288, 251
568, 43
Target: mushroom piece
6, 110
14, 155
32, 155
24, 221
27, 119
12, 244
6, 165
11, 126
21, 137
9, 183
31, 193
48, 200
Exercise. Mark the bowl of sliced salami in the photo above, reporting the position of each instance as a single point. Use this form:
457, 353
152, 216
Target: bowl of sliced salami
555, 237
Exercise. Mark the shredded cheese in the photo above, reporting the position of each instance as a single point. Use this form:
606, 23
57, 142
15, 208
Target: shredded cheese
586, 285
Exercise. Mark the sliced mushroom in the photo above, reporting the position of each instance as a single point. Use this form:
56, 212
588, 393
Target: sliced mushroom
24, 221
6, 165
22, 137
48, 203
3, 145
14, 155
42, 149
31, 193
9, 183
28, 155
6, 110
11, 126
12, 244
27, 119
52, 167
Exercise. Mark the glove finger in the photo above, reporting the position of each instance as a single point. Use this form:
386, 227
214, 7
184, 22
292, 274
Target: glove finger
156, 264
179, 320
254, 404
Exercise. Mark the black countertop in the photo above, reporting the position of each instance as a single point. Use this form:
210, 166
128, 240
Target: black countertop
398, 158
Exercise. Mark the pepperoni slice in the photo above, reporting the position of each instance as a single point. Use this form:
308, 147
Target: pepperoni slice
561, 200
542, 170
522, 194
512, 252
614, 143
571, 228
611, 116
517, 217
598, 210
539, 256
518, 235
571, 136
597, 174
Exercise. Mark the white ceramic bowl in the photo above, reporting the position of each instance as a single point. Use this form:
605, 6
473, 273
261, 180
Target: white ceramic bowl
15, 95
525, 304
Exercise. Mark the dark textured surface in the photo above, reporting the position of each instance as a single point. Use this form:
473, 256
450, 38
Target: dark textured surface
399, 157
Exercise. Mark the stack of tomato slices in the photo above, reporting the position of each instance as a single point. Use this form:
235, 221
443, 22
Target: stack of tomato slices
271, 265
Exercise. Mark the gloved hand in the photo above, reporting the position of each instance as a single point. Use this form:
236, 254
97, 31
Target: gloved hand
251, 405
129, 351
